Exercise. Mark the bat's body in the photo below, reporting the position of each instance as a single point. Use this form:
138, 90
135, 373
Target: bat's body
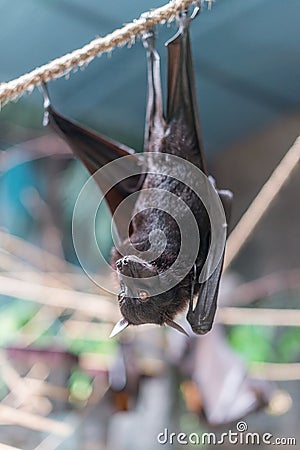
161, 308
176, 133
226, 391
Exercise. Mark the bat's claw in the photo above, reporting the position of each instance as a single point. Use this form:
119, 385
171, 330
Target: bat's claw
45, 92
184, 19
198, 7
148, 38
196, 11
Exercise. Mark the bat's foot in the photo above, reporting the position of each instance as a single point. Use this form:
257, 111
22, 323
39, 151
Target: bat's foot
47, 104
196, 10
148, 39
45, 92
185, 19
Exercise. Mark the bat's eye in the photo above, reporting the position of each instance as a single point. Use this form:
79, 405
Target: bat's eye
143, 295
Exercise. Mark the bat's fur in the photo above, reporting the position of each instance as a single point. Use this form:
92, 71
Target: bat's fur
176, 134
156, 309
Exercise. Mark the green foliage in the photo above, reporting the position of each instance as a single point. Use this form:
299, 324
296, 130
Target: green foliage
14, 316
266, 344
254, 343
80, 385
78, 346
288, 345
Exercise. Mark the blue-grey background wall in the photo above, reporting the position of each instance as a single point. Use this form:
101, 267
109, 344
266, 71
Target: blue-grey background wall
247, 61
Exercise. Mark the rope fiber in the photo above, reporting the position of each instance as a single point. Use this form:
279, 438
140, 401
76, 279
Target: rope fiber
60, 67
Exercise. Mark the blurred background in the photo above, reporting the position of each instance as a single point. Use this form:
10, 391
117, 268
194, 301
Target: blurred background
63, 383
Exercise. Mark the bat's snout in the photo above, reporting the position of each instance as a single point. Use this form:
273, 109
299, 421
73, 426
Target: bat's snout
123, 266
119, 264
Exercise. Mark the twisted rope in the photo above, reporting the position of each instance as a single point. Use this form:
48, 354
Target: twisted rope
59, 67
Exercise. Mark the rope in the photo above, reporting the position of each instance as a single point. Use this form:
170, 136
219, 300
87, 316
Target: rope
59, 67
262, 202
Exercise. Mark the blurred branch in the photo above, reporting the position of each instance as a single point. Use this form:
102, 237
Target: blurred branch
57, 270
21, 270
11, 263
74, 329
261, 204
41, 321
258, 316
8, 447
33, 421
46, 389
99, 306
36, 256
90, 330
50, 442
265, 286
274, 371
19, 388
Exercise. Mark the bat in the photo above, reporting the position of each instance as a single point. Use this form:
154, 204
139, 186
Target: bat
225, 390
150, 290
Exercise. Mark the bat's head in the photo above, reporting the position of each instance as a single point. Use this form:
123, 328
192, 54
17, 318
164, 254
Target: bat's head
138, 279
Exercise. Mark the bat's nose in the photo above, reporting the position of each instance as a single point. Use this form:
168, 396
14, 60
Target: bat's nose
121, 263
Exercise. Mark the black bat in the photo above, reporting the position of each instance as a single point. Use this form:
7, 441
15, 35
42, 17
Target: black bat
174, 135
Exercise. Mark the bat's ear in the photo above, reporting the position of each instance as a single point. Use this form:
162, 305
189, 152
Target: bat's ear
175, 325
120, 326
